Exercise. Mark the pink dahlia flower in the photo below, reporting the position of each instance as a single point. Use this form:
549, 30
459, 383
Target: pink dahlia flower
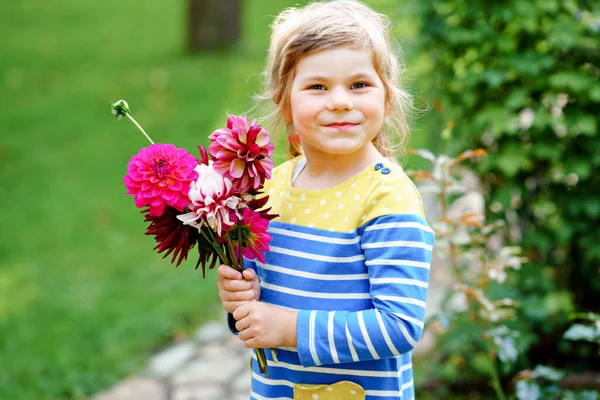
212, 200
242, 153
159, 176
255, 239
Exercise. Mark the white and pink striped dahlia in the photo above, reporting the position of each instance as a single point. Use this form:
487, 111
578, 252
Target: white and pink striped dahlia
211, 200
242, 153
159, 176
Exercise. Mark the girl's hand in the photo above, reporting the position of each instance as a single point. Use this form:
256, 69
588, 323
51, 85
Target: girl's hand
235, 291
264, 325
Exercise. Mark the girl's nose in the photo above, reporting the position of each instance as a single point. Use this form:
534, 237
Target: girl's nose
339, 100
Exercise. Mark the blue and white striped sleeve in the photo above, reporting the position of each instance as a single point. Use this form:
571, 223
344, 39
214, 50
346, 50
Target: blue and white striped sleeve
397, 249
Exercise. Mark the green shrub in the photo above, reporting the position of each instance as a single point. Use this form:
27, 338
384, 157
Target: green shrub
521, 79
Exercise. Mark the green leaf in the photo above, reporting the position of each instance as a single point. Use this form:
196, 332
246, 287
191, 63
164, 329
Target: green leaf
591, 207
494, 77
528, 390
564, 34
573, 80
595, 93
559, 301
584, 125
530, 63
547, 151
513, 158
582, 332
578, 166
517, 98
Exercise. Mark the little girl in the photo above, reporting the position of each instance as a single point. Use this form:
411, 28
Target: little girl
342, 293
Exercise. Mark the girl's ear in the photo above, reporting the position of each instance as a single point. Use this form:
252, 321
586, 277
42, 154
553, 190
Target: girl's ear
287, 113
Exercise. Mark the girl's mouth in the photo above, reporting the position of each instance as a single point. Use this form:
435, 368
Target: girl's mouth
340, 125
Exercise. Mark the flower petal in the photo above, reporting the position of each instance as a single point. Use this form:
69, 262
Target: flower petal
237, 168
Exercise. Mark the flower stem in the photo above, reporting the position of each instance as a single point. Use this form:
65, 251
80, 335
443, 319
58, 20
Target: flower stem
215, 248
139, 127
235, 264
239, 265
496, 379
240, 243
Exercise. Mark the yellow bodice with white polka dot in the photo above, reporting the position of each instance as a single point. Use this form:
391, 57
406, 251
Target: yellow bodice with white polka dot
378, 190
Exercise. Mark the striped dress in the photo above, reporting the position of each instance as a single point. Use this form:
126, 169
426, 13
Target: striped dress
354, 260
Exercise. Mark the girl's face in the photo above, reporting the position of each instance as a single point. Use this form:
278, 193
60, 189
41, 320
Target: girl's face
337, 102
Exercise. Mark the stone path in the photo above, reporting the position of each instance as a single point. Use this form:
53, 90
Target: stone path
213, 365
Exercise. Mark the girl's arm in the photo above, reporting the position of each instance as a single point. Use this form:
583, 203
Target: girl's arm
398, 250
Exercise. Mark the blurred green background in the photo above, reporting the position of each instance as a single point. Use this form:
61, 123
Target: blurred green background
84, 300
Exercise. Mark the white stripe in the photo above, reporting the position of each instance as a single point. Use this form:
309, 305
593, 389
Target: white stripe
399, 225
415, 321
271, 382
311, 275
398, 243
363, 329
405, 300
316, 238
259, 397
311, 337
405, 367
330, 336
402, 263
292, 349
385, 334
319, 295
316, 257
384, 393
351, 346
283, 382
401, 281
407, 385
336, 371
408, 338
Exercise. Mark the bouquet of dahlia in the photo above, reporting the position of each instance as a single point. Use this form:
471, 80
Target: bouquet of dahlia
210, 202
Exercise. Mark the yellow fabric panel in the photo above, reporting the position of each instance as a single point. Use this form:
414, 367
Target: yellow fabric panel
344, 390
347, 206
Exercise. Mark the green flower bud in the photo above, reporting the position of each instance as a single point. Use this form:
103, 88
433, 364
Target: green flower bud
119, 108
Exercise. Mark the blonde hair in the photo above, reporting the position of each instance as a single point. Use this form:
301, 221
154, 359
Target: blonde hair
298, 32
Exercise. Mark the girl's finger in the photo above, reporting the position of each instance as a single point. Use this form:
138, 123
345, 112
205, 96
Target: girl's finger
249, 274
242, 324
237, 285
244, 295
251, 343
242, 311
227, 272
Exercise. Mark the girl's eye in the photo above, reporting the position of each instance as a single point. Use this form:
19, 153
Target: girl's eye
359, 85
318, 86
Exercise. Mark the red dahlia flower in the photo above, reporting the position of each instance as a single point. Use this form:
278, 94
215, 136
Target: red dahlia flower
242, 153
159, 176
171, 234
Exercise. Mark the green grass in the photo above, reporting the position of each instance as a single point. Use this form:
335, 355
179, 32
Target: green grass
84, 301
